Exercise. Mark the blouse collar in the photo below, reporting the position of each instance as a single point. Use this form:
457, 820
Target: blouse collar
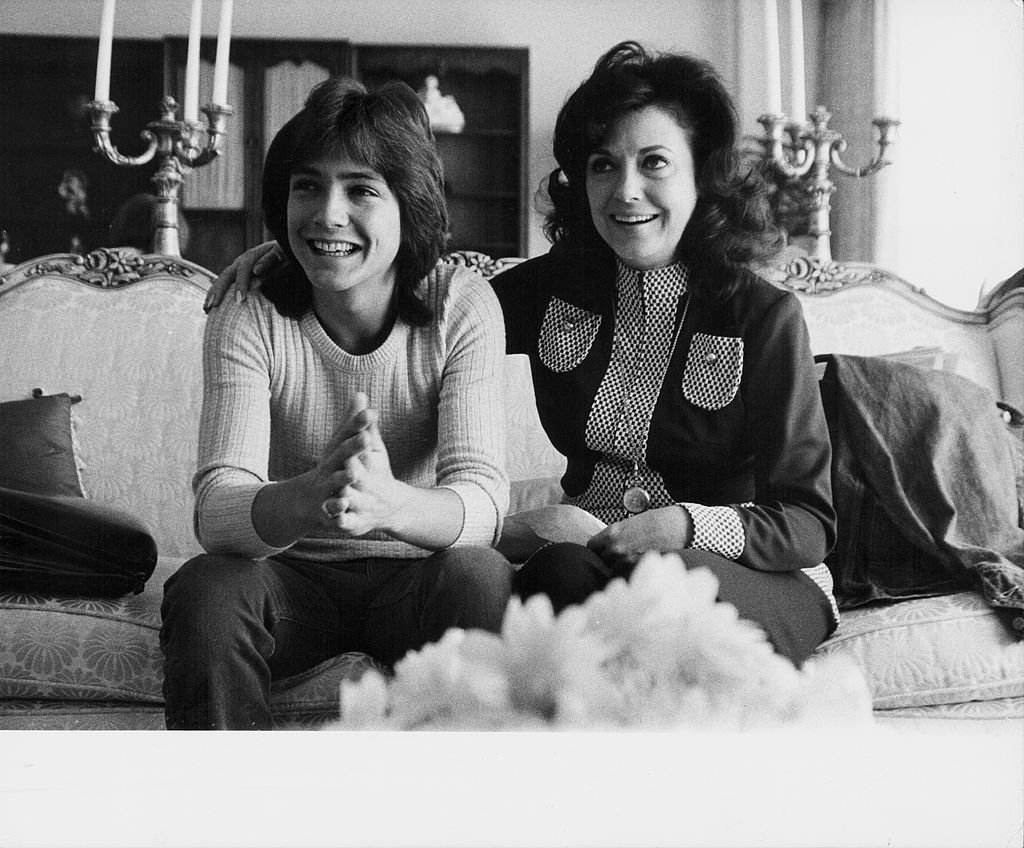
669, 279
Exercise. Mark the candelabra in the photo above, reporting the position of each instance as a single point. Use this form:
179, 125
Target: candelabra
178, 146
804, 162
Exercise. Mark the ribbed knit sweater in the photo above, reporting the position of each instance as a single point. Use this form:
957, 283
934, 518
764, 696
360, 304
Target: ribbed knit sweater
276, 388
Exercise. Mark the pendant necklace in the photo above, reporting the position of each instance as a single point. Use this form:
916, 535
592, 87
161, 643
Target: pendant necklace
635, 498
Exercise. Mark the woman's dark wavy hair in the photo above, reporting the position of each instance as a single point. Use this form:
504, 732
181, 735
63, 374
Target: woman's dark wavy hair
388, 131
732, 222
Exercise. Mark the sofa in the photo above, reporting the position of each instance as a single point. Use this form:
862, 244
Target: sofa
118, 334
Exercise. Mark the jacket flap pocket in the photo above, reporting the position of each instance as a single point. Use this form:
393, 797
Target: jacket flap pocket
566, 335
714, 366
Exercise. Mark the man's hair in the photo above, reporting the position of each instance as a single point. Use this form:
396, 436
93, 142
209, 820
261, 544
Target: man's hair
387, 130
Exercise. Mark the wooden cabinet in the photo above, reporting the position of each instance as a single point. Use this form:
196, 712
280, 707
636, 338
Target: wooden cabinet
485, 173
48, 80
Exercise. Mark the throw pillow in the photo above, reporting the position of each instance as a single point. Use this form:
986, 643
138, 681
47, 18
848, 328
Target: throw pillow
37, 448
71, 545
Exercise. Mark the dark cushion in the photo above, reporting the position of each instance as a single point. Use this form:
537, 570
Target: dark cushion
71, 545
923, 484
37, 452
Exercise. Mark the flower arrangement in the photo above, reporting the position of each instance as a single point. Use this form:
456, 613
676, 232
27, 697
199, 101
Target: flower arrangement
655, 652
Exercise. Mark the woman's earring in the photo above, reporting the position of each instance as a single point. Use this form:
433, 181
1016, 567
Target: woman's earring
563, 180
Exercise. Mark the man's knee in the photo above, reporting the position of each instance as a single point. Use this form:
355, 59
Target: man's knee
473, 571
210, 591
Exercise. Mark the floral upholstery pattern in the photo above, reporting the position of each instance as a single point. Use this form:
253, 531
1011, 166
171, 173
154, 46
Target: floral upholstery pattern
135, 356
73, 650
873, 320
929, 651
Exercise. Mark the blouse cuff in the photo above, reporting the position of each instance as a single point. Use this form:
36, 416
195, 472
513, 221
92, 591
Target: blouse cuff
717, 529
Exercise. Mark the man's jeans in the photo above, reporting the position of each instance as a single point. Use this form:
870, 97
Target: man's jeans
230, 625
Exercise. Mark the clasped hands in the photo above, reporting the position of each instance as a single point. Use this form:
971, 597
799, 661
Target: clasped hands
355, 485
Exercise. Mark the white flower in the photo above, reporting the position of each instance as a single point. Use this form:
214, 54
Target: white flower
658, 651
457, 679
364, 701
553, 663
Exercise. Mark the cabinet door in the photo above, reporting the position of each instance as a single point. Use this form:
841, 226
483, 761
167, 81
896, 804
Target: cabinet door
484, 161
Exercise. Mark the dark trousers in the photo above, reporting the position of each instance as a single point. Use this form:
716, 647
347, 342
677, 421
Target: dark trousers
788, 605
231, 625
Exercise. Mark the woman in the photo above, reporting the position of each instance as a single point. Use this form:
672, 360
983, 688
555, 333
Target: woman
679, 386
350, 483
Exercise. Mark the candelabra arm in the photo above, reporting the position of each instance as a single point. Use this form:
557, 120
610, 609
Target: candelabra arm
177, 147
101, 111
775, 151
188, 147
886, 138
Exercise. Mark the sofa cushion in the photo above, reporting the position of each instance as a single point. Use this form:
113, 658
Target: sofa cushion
37, 446
97, 650
929, 651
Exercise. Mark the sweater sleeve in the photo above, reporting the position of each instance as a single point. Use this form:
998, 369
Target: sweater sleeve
234, 430
791, 524
471, 419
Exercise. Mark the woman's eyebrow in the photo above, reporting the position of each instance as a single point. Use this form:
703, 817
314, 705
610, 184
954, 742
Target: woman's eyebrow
651, 148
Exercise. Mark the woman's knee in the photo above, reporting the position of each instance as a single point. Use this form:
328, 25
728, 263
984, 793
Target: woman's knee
567, 573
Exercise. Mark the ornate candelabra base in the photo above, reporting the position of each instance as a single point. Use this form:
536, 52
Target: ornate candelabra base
178, 147
802, 166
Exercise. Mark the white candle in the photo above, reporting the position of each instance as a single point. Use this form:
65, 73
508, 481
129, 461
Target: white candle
221, 69
195, 31
773, 73
106, 46
797, 90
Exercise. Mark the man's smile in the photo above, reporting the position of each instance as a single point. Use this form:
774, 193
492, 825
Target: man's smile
332, 248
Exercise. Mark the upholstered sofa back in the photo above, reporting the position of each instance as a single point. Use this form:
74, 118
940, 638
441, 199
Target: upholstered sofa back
125, 333
857, 308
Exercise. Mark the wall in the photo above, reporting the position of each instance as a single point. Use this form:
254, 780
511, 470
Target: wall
565, 37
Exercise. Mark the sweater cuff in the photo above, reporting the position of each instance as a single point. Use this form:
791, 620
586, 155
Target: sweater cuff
480, 524
717, 529
226, 525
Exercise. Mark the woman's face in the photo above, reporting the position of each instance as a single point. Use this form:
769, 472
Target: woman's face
344, 224
642, 188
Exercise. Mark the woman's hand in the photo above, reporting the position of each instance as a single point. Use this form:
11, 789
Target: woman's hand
244, 272
620, 545
518, 540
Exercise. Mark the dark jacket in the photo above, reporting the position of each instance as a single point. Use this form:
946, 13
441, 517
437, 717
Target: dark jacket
767, 446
